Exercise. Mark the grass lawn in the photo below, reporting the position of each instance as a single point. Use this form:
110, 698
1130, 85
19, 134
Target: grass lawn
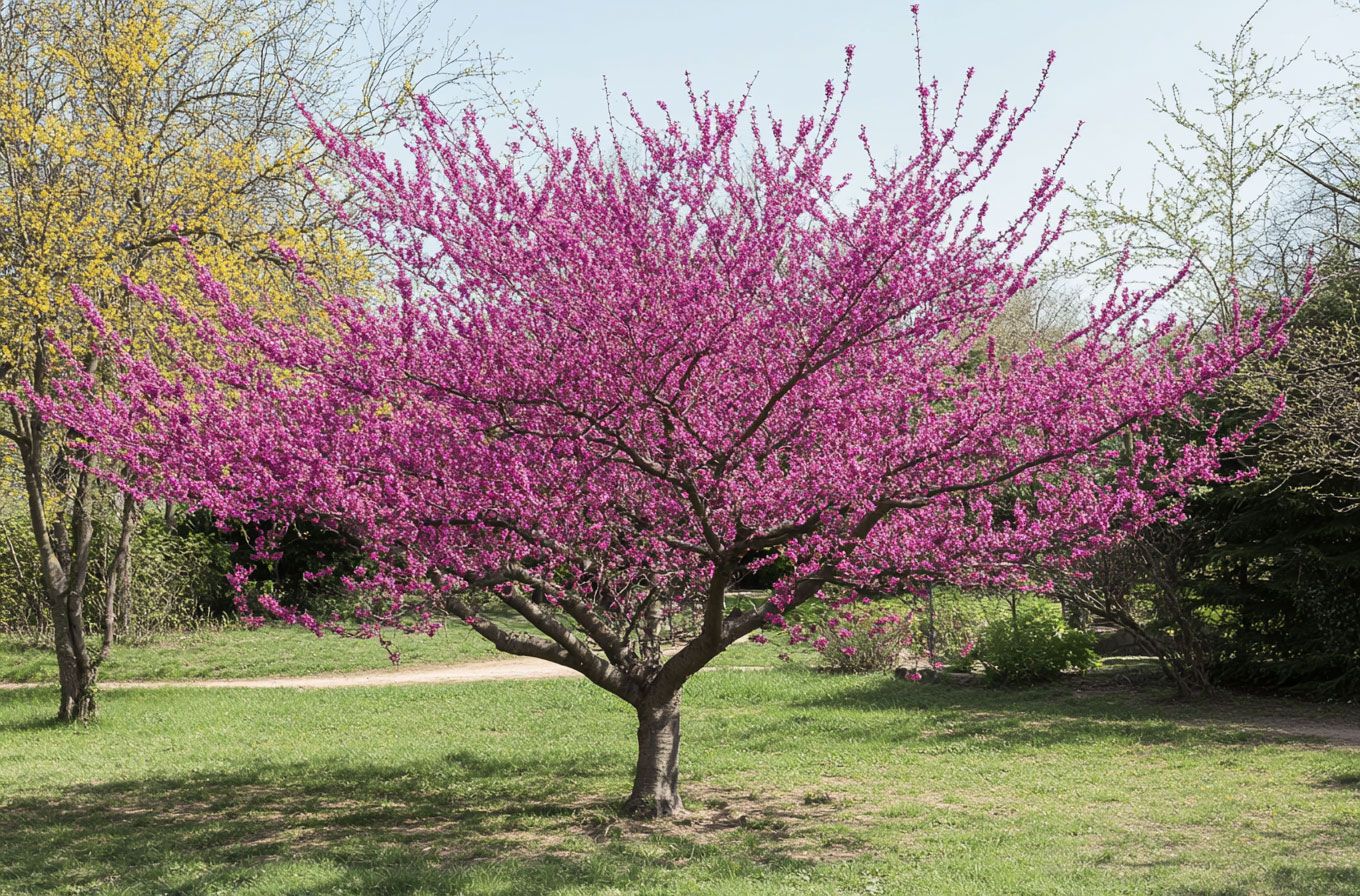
234, 652
799, 783
282, 650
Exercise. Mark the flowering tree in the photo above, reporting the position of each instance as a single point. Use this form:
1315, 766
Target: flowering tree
118, 120
613, 378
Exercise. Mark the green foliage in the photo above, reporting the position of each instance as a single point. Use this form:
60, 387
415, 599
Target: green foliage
22, 608
175, 577
1285, 574
1278, 558
1213, 188
1036, 645
1260, 585
950, 621
306, 574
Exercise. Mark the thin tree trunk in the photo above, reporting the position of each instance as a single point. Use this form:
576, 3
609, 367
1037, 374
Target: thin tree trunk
63, 562
118, 575
656, 782
76, 668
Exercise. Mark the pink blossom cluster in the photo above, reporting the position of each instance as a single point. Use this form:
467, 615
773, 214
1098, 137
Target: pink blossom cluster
616, 373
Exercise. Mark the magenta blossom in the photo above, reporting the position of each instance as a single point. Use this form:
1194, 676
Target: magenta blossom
617, 374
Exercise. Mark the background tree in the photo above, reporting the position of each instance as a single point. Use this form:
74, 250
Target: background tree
118, 122
1261, 577
610, 385
1279, 565
1211, 195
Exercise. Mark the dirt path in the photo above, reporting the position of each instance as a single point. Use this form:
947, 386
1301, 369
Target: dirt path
490, 670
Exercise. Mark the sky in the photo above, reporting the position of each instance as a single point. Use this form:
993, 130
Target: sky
1111, 57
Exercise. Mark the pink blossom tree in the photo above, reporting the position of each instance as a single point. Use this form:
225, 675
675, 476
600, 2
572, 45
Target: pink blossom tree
617, 374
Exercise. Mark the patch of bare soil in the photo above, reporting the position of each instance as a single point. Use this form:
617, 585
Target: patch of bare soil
490, 670
791, 829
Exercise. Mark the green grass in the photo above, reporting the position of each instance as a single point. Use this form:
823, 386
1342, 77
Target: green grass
281, 650
234, 652
800, 783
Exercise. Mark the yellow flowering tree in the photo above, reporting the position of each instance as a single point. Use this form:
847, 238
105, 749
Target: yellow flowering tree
126, 125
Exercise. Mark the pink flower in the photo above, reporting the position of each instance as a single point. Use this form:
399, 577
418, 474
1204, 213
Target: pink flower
600, 399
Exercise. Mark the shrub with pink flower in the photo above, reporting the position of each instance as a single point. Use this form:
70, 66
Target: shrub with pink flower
858, 640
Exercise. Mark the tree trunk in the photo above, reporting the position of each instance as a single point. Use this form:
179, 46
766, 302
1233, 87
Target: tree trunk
63, 561
118, 576
62, 538
75, 671
656, 782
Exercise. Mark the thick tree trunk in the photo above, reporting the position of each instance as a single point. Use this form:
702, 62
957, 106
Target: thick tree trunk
65, 568
656, 782
75, 671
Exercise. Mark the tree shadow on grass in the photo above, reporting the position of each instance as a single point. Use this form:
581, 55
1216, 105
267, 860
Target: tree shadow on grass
40, 724
476, 823
473, 820
29, 709
991, 718
1293, 879
1342, 782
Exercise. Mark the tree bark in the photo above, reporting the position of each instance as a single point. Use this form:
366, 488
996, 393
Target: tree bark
75, 671
63, 562
65, 559
119, 574
656, 782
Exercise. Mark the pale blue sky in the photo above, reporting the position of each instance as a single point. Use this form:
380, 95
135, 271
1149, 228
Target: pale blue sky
1111, 57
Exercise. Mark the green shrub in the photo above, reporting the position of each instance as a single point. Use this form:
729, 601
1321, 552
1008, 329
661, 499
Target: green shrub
949, 622
1035, 645
23, 608
175, 577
